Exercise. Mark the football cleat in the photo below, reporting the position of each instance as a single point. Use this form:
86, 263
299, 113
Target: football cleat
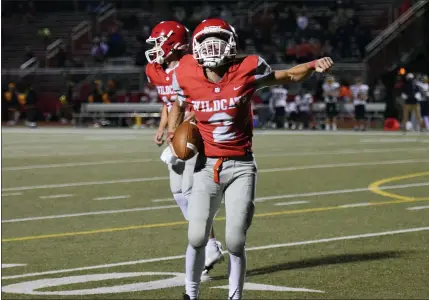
214, 255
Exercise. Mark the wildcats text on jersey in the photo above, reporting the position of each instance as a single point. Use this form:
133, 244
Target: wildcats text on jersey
215, 105
165, 89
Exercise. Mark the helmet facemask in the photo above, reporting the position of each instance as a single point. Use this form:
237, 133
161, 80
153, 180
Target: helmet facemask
156, 54
214, 47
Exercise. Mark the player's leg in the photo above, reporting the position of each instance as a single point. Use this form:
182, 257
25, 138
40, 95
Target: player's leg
239, 206
176, 177
328, 116
213, 248
417, 114
424, 109
405, 116
334, 116
203, 205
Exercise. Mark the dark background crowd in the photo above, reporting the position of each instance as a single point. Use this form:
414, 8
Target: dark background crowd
37, 34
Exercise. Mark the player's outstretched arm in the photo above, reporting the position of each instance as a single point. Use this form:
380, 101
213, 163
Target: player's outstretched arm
297, 73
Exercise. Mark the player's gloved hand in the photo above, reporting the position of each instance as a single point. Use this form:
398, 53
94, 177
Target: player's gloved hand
321, 65
169, 140
158, 139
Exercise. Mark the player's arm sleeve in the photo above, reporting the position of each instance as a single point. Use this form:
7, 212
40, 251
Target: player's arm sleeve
147, 74
181, 97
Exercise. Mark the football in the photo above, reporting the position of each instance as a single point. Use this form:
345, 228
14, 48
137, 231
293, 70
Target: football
187, 140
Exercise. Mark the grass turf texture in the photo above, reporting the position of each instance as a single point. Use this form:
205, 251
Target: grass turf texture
296, 168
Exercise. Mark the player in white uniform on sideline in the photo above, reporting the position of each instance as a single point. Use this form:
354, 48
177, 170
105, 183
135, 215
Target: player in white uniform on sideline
278, 104
422, 97
170, 42
331, 93
360, 96
304, 101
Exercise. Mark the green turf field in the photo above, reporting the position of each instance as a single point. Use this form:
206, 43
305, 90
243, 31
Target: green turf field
87, 214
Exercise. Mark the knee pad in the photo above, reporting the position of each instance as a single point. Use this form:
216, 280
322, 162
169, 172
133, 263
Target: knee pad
198, 236
235, 242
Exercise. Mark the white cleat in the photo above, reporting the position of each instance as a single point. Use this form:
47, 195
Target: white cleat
214, 255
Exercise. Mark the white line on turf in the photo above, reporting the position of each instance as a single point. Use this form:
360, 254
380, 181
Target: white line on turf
167, 258
263, 155
143, 179
418, 207
355, 204
5, 266
112, 197
260, 199
56, 196
11, 194
101, 212
335, 192
291, 203
76, 164
163, 200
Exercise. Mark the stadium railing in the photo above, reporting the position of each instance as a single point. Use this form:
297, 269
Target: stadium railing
95, 111
396, 41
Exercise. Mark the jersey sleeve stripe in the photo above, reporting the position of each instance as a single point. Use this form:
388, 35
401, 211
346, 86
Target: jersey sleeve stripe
176, 87
263, 69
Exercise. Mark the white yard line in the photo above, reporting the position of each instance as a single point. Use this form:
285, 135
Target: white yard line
101, 212
5, 266
340, 152
76, 164
265, 247
418, 207
262, 155
336, 192
163, 200
143, 179
342, 165
56, 196
260, 199
11, 194
355, 204
291, 203
112, 197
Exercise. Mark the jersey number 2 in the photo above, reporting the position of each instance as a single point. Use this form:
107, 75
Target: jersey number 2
224, 122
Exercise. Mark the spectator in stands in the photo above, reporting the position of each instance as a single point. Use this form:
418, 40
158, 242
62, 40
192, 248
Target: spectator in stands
99, 50
115, 42
11, 104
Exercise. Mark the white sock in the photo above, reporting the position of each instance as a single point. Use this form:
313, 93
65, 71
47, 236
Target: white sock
327, 127
183, 203
334, 126
426, 119
237, 272
194, 267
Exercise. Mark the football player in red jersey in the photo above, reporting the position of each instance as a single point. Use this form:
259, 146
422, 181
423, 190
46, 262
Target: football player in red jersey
170, 42
219, 86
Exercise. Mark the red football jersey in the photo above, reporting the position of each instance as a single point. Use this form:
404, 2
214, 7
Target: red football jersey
223, 110
162, 80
